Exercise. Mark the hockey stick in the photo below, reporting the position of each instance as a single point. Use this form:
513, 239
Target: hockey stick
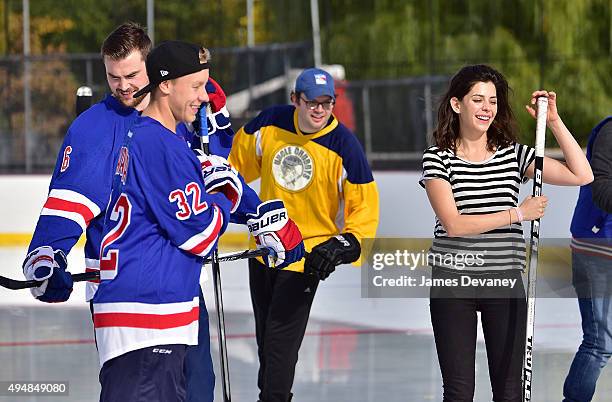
223, 361
14, 284
533, 250
83, 102
83, 99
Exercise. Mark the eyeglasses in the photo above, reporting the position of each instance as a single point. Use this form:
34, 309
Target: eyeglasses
313, 105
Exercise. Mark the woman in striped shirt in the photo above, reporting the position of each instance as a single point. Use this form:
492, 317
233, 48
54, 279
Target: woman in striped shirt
472, 177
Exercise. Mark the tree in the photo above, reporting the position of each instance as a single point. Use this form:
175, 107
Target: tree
52, 90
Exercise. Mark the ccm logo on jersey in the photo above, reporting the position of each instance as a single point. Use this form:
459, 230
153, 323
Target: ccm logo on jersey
162, 351
267, 221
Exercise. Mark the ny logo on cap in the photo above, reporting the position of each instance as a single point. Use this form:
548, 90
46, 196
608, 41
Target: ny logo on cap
163, 73
320, 79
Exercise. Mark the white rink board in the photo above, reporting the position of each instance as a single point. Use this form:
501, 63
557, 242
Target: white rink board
404, 209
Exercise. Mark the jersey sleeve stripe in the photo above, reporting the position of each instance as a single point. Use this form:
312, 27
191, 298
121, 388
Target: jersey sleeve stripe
73, 216
258, 149
341, 180
70, 205
202, 243
151, 321
75, 197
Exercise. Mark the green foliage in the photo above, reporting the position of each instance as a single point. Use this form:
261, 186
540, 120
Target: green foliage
52, 85
213, 23
562, 45
385, 44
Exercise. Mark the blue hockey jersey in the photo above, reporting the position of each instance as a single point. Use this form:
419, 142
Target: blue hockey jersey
220, 143
81, 182
158, 225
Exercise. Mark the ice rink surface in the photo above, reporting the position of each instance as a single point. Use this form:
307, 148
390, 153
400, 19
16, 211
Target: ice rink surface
355, 349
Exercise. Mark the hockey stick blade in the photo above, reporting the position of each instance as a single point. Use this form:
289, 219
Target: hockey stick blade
15, 284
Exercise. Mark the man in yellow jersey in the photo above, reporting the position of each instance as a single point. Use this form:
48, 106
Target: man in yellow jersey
317, 167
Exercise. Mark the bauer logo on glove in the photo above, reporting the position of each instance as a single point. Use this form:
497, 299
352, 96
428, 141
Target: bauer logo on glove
216, 169
276, 216
273, 229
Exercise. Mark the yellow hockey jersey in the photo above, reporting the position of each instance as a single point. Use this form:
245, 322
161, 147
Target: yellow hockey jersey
323, 178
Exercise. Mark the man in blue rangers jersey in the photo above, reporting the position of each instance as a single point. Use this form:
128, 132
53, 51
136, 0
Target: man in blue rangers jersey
163, 215
81, 182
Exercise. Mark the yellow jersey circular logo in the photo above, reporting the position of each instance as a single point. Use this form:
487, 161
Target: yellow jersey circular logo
292, 168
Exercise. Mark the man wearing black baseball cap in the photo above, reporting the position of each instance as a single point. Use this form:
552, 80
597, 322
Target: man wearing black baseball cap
164, 215
173, 59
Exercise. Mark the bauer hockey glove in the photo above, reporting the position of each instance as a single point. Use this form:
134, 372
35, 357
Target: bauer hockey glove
220, 176
49, 266
323, 259
272, 228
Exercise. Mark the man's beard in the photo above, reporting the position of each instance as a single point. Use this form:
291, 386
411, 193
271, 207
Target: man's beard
130, 102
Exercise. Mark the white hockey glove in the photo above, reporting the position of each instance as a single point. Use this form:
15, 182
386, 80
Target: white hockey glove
49, 266
220, 176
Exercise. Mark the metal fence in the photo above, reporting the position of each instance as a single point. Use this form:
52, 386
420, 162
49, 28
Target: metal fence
36, 112
390, 117
393, 118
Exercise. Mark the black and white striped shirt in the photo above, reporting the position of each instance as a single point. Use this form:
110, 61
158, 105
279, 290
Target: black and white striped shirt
481, 188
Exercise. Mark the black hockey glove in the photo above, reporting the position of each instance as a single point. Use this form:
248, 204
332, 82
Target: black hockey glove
323, 259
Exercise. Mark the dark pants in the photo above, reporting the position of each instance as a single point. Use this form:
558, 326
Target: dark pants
199, 372
454, 322
153, 374
281, 303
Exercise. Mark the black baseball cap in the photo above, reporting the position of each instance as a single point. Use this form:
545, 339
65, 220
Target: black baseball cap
171, 59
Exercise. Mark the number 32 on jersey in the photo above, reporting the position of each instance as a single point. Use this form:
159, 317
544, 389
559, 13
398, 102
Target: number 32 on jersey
109, 260
180, 197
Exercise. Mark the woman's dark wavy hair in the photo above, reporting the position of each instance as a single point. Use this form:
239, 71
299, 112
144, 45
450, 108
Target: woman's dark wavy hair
502, 132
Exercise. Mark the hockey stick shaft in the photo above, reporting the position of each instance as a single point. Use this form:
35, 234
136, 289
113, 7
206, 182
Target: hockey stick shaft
216, 273
14, 284
533, 251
